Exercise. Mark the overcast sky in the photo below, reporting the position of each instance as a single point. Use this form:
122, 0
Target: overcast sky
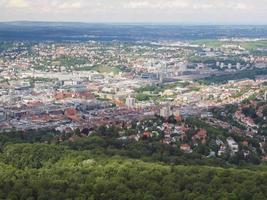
161, 11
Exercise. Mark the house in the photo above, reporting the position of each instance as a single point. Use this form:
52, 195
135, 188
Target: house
233, 146
246, 153
147, 134
135, 137
264, 158
70, 112
219, 142
245, 143
221, 150
200, 135
186, 148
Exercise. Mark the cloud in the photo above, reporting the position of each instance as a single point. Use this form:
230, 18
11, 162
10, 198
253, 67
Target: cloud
47, 5
135, 4
138, 4
242, 6
75, 5
17, 4
136, 10
188, 4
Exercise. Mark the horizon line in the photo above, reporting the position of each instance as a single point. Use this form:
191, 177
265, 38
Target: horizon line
136, 23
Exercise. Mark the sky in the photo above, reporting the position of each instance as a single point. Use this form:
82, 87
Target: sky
137, 11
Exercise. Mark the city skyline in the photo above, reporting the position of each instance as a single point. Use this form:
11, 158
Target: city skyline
137, 11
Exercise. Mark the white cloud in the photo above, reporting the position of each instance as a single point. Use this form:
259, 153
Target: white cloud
17, 4
136, 10
188, 4
161, 4
136, 4
75, 5
242, 6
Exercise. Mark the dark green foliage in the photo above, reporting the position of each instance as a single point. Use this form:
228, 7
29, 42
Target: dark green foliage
246, 74
249, 111
101, 167
142, 97
33, 156
264, 112
29, 136
81, 177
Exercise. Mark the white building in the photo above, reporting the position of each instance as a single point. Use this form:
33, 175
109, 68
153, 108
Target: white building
130, 102
233, 146
238, 65
165, 111
2, 115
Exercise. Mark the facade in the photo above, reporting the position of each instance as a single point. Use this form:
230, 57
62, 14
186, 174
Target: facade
2, 115
165, 111
130, 102
233, 146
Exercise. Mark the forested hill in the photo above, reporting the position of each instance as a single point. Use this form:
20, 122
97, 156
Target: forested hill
87, 169
58, 31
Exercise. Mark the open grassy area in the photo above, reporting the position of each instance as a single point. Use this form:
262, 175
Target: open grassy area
213, 43
254, 44
106, 69
246, 74
209, 43
100, 69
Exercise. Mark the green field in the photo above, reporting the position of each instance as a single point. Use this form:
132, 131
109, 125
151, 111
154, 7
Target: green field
254, 45
209, 43
250, 45
100, 69
106, 69
246, 74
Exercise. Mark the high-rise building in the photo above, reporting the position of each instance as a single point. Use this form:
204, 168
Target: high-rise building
165, 111
130, 102
238, 65
2, 115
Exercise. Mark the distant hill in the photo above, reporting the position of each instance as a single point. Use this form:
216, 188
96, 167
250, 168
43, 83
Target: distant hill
77, 31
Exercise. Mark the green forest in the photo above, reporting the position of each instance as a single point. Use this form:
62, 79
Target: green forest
35, 166
246, 74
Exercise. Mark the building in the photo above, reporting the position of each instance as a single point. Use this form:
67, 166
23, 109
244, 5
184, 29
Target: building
130, 102
238, 65
165, 111
2, 115
221, 150
185, 148
233, 146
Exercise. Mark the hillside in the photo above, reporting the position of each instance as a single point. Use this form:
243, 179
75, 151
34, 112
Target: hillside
54, 171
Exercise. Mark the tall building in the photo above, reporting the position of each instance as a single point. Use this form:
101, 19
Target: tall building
165, 111
2, 115
130, 102
162, 71
238, 65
